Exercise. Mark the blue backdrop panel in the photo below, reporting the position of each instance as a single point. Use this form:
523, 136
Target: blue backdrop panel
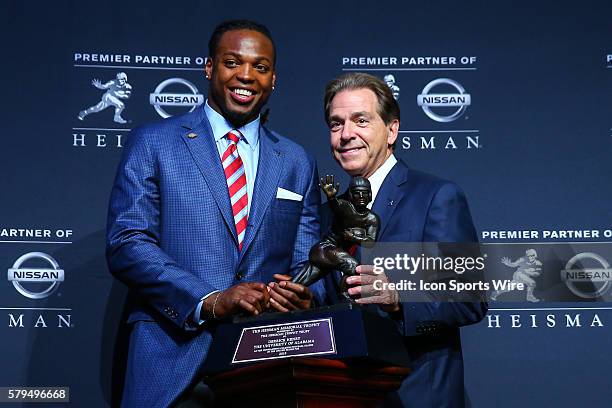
531, 150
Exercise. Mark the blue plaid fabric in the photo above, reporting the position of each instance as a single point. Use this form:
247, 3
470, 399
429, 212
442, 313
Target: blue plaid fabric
171, 240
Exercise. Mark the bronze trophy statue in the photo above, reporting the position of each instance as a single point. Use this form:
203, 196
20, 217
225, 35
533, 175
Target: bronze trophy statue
353, 225
344, 331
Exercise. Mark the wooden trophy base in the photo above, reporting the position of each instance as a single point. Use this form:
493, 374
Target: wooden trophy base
306, 383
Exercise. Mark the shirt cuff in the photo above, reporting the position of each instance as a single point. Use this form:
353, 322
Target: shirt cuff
198, 311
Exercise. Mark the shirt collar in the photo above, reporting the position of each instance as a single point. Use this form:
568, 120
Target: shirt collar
220, 127
379, 176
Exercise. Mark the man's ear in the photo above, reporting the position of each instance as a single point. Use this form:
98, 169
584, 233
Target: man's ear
208, 68
393, 131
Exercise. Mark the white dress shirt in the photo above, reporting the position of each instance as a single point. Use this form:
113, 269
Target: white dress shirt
379, 176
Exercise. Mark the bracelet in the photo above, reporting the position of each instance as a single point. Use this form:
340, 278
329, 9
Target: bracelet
215, 304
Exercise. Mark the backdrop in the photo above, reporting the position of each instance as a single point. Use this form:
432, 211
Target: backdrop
507, 98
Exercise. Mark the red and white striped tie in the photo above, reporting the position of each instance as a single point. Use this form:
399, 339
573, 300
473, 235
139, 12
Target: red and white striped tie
237, 185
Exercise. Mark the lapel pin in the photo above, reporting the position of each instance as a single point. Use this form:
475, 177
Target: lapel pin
192, 135
391, 203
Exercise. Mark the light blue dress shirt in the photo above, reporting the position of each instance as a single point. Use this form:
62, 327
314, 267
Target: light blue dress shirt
248, 146
248, 149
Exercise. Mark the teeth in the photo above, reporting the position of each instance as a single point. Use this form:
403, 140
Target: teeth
243, 92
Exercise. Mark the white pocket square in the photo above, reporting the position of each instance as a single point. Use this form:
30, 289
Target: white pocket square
287, 195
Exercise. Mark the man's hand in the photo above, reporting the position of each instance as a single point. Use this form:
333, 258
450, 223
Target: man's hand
249, 297
286, 295
329, 188
361, 286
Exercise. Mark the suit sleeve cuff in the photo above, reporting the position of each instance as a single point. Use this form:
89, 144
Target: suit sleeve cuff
197, 314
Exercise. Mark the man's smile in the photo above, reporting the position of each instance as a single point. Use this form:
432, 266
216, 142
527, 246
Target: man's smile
349, 151
242, 95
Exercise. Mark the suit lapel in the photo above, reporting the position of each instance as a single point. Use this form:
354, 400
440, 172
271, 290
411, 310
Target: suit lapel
390, 195
200, 141
266, 182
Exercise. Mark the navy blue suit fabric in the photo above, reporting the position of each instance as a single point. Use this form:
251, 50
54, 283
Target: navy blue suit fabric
417, 207
171, 239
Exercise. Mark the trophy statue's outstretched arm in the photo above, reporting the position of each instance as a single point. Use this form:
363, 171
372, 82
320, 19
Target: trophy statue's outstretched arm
338, 206
329, 187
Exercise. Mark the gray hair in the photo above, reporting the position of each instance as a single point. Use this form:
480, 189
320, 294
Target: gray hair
388, 108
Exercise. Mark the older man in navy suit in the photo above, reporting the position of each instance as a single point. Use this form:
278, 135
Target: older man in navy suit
364, 119
209, 214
